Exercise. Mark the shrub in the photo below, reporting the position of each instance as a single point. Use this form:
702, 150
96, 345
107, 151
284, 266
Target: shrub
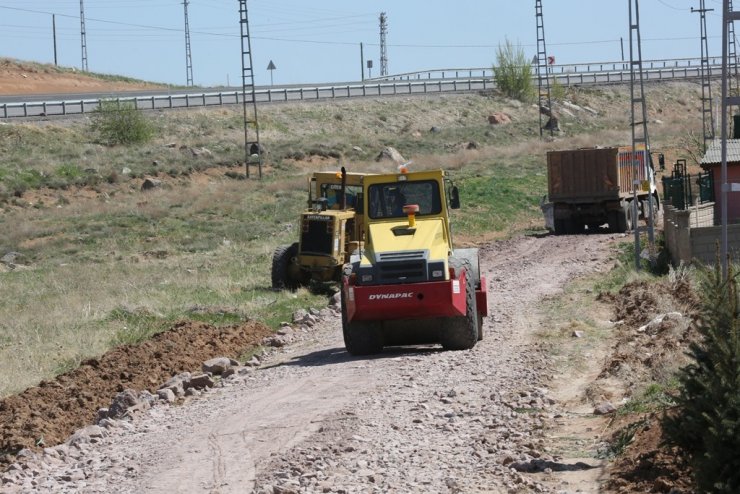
120, 123
513, 72
557, 90
707, 423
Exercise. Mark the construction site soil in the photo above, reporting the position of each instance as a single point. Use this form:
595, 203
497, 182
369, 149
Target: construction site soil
47, 414
29, 78
648, 351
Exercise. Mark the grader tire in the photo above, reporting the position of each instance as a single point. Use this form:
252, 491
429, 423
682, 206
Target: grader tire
281, 264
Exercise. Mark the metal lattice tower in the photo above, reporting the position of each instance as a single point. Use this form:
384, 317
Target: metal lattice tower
640, 139
83, 36
734, 86
383, 45
728, 17
707, 116
188, 53
543, 79
252, 149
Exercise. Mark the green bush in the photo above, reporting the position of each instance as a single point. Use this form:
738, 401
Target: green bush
557, 91
707, 422
513, 72
120, 123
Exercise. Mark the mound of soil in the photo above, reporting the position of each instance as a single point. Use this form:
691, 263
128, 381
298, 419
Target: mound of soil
46, 415
649, 466
649, 351
638, 302
18, 77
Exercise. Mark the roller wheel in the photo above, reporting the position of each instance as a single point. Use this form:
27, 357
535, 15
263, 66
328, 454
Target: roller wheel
360, 337
461, 333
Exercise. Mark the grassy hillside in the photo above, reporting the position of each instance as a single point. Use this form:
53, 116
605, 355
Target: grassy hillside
102, 262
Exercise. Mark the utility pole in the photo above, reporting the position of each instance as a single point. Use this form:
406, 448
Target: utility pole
728, 17
252, 149
707, 116
362, 62
83, 36
543, 79
383, 46
640, 139
54, 33
733, 88
188, 53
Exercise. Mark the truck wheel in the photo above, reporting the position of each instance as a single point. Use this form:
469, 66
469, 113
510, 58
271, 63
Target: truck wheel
461, 333
561, 227
625, 218
613, 220
360, 338
283, 277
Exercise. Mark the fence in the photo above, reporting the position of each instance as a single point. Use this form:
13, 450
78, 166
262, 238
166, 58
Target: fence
269, 95
575, 68
682, 191
690, 234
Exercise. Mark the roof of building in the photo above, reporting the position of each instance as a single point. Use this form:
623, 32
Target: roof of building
713, 156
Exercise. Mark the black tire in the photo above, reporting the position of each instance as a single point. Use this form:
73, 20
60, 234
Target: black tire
560, 227
613, 220
627, 221
576, 226
620, 221
461, 333
568, 226
282, 259
360, 338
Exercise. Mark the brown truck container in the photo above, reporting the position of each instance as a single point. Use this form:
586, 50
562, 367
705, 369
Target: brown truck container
590, 187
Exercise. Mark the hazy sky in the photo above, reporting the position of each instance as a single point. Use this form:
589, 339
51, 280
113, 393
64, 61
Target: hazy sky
318, 41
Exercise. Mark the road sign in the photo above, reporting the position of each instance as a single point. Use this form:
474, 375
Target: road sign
271, 67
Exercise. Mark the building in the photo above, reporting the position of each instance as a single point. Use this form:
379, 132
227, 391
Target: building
712, 162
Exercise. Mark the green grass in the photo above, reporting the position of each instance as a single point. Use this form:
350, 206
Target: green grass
654, 397
625, 270
622, 439
499, 196
125, 265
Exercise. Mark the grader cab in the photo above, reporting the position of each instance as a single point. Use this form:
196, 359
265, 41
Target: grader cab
330, 230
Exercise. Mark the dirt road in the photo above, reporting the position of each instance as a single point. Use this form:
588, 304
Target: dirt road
314, 419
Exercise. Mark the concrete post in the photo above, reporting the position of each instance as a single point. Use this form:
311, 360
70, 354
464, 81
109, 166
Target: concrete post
683, 236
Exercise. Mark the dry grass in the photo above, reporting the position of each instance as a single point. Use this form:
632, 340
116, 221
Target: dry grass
103, 257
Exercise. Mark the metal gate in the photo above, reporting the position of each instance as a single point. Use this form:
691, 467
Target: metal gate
679, 187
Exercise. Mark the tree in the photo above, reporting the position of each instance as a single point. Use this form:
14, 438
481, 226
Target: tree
707, 422
513, 72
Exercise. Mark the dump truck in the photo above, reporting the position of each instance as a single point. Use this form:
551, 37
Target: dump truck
594, 186
406, 283
330, 229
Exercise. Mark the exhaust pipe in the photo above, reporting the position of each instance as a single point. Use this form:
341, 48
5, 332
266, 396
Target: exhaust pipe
344, 189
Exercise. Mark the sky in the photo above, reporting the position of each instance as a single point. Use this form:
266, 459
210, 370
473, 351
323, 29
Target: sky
319, 41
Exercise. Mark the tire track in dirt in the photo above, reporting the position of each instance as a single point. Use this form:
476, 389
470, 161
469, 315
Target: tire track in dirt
418, 419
